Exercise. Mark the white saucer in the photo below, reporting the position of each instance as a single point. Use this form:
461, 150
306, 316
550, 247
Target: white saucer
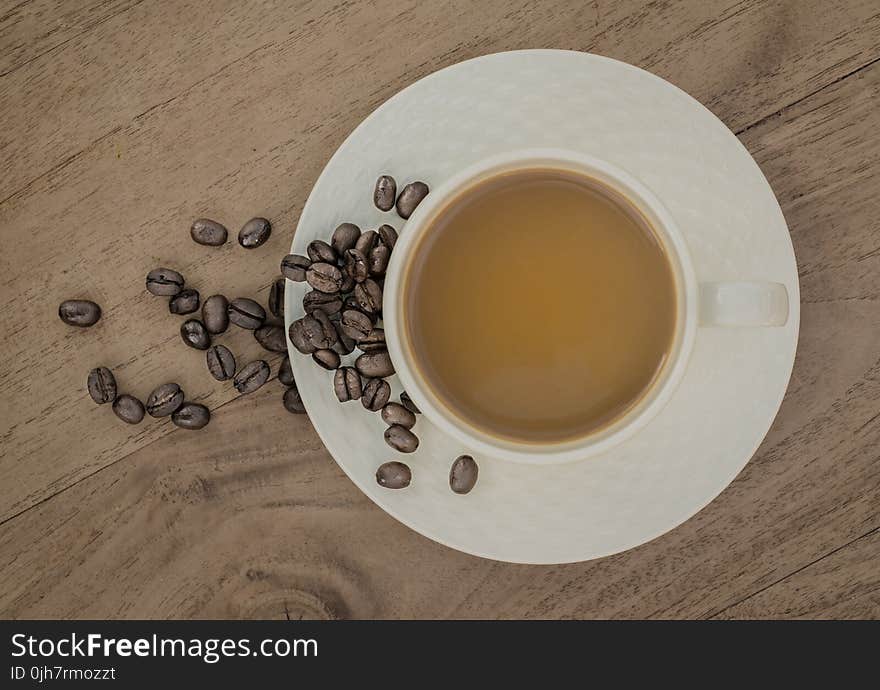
734, 227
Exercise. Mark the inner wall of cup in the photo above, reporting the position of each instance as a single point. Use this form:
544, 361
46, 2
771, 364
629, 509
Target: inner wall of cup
629, 200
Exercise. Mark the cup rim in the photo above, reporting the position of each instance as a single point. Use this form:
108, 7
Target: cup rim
655, 397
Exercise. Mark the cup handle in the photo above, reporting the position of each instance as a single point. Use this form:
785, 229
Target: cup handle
743, 304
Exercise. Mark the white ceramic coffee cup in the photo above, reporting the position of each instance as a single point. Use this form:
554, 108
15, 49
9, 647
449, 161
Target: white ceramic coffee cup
744, 304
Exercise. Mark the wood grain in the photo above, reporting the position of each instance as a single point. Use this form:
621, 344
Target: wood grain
131, 129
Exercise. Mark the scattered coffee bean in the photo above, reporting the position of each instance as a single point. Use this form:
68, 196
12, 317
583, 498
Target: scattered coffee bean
375, 395
384, 193
395, 413
351, 302
344, 238
299, 338
378, 260
251, 376
402, 439
246, 313
79, 312
164, 282
271, 337
293, 401
194, 334
324, 277
374, 341
164, 400
327, 303
375, 364
347, 384
102, 385
366, 242
394, 475
254, 233
215, 314
387, 236
369, 296
463, 474
407, 402
294, 267
184, 302
344, 344
208, 232
355, 324
410, 197
191, 416
285, 372
320, 251
276, 298
357, 266
319, 330
221, 362
347, 284
128, 408
329, 359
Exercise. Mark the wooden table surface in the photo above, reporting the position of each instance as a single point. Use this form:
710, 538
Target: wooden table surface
122, 120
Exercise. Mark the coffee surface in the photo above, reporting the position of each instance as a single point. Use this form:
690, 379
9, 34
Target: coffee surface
540, 308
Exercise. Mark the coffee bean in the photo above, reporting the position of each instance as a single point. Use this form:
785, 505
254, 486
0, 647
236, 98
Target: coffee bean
215, 315
208, 232
394, 475
384, 193
375, 364
344, 238
79, 312
293, 401
355, 324
387, 236
246, 313
463, 474
369, 296
378, 260
285, 372
164, 400
251, 376
319, 330
164, 282
221, 362
271, 337
128, 408
191, 416
294, 267
324, 277
407, 402
357, 266
276, 298
347, 284
402, 439
374, 341
328, 303
299, 338
395, 413
410, 197
347, 384
375, 394
351, 302
102, 385
327, 359
184, 302
195, 334
366, 242
320, 251
344, 344
254, 233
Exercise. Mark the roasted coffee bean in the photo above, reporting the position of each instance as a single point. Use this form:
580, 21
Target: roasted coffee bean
375, 394
327, 303
299, 338
351, 302
373, 341
191, 416
347, 284
254, 233
369, 296
344, 238
294, 267
395, 413
79, 312
394, 475
246, 313
215, 314
320, 251
366, 242
407, 402
384, 193
293, 401
184, 302
324, 277
402, 439
410, 197
208, 232
276, 298
355, 324
357, 266
463, 474
347, 384
319, 330
194, 334
164, 282
375, 364
251, 376
285, 372
271, 337
102, 385
387, 236
128, 408
378, 260
328, 359
221, 362
344, 344
164, 400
